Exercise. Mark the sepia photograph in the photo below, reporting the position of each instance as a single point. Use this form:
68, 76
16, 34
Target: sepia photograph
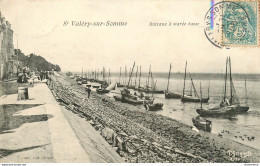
148, 81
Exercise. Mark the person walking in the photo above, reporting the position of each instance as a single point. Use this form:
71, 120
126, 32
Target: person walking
88, 90
41, 75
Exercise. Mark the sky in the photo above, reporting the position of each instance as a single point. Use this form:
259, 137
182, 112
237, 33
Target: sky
39, 27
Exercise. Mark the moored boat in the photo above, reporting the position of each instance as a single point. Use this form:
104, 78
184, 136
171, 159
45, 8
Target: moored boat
227, 111
227, 107
202, 124
172, 95
189, 98
102, 91
153, 106
167, 93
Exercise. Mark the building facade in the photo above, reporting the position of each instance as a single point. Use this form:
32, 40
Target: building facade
8, 61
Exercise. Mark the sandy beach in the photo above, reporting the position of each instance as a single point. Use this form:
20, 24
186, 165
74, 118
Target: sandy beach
138, 135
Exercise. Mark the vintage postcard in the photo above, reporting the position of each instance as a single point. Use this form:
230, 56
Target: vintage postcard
148, 81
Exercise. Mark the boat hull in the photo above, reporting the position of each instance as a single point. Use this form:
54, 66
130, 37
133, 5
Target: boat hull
202, 124
150, 91
241, 109
154, 107
194, 99
131, 101
218, 111
172, 95
118, 98
102, 91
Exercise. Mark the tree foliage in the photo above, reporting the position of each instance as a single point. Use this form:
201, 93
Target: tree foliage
37, 62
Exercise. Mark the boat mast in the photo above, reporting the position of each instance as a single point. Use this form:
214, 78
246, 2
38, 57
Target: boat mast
95, 75
103, 74
140, 78
98, 74
200, 97
230, 79
208, 89
136, 75
125, 76
149, 77
195, 91
131, 74
109, 79
169, 77
120, 76
225, 87
184, 80
82, 73
245, 91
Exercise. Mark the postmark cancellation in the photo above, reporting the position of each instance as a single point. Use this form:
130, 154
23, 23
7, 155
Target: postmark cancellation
233, 23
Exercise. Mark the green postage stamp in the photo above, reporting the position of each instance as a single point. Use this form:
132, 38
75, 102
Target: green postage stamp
240, 23
233, 23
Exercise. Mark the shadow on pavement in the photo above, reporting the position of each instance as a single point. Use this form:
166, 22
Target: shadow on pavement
7, 152
8, 121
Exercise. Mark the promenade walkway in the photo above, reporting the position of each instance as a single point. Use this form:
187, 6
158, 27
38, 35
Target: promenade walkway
40, 130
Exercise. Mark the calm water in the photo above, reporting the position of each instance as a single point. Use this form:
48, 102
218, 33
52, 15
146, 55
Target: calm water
246, 125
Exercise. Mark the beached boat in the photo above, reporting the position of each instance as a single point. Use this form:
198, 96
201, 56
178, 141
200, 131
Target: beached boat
167, 93
189, 98
218, 111
102, 91
172, 95
202, 124
227, 106
131, 101
118, 98
153, 107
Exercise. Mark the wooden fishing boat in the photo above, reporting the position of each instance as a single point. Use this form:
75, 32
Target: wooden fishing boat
242, 109
153, 107
202, 124
218, 111
120, 85
79, 82
151, 91
102, 91
95, 86
189, 98
84, 81
172, 95
167, 93
118, 98
132, 101
227, 107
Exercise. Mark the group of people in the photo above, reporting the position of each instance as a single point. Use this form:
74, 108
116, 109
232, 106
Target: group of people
26, 76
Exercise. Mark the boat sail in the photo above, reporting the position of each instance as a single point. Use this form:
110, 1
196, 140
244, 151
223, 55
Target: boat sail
190, 98
227, 107
169, 94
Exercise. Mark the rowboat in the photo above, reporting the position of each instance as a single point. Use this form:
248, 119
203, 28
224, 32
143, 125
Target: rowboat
202, 124
153, 107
